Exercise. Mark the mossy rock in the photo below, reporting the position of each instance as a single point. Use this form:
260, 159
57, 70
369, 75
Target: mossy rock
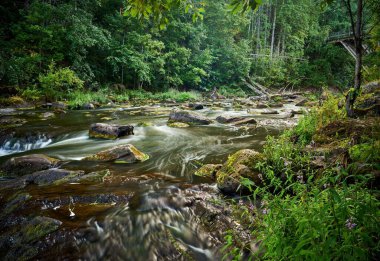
37, 228
93, 177
14, 202
24, 165
53, 176
119, 154
240, 165
178, 125
208, 171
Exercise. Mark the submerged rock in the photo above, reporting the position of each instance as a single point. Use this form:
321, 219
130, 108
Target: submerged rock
110, 131
240, 165
46, 115
119, 154
14, 202
24, 165
191, 118
26, 242
12, 121
208, 170
178, 125
53, 176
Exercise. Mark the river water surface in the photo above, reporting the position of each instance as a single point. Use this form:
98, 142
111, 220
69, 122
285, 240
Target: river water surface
128, 216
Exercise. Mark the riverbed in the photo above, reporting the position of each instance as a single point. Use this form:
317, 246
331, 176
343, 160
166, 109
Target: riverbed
138, 210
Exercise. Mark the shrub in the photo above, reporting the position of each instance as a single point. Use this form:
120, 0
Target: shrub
58, 83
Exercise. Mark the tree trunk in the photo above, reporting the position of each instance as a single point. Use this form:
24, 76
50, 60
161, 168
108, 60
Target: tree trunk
273, 31
358, 38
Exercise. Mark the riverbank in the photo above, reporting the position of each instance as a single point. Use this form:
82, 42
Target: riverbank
314, 191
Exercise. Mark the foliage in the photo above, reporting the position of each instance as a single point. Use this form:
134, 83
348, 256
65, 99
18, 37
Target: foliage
57, 83
322, 224
308, 213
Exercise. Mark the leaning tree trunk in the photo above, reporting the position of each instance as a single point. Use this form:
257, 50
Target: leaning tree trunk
358, 38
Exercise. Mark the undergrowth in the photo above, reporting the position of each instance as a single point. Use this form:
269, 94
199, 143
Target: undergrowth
308, 213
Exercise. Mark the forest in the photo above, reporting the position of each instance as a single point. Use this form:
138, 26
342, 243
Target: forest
189, 129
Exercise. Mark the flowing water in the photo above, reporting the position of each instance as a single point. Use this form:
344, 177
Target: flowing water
129, 215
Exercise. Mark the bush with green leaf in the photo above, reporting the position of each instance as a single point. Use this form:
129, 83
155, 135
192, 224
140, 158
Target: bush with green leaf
57, 83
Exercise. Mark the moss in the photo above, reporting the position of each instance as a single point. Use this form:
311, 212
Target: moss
69, 178
37, 228
97, 135
14, 202
138, 155
144, 124
97, 176
208, 170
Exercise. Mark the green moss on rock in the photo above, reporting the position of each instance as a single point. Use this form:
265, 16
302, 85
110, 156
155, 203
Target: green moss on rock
208, 171
240, 165
119, 154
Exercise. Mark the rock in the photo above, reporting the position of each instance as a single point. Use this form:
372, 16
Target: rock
59, 105
46, 115
261, 106
10, 120
119, 154
88, 106
196, 106
24, 165
208, 171
245, 121
294, 112
276, 105
269, 112
178, 125
108, 131
14, 202
239, 165
228, 119
371, 87
27, 241
37, 228
191, 118
301, 102
53, 176
93, 177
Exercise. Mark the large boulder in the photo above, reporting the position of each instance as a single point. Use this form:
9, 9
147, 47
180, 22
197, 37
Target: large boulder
237, 121
109, 131
240, 165
191, 118
119, 154
24, 165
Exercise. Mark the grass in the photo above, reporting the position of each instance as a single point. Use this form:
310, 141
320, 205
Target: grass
309, 213
77, 99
